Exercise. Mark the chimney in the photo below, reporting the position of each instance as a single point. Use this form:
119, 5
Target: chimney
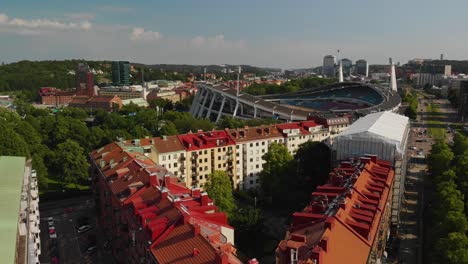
204, 199
195, 252
164, 137
223, 258
177, 201
196, 229
373, 158
164, 193
365, 160
195, 192
167, 179
153, 180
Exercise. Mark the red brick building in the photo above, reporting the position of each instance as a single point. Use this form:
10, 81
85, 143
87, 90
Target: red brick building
150, 217
107, 103
347, 220
54, 96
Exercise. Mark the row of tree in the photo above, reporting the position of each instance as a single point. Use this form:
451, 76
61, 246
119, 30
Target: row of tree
412, 99
448, 167
288, 87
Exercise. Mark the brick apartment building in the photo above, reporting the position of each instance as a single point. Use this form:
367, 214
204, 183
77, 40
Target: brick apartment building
151, 217
347, 220
55, 97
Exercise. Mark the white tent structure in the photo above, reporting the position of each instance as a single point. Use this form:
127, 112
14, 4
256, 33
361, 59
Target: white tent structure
383, 134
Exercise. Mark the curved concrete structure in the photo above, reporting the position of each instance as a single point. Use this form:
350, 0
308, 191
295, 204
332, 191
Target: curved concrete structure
214, 101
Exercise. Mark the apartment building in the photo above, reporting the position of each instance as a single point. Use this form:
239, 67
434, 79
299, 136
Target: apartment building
149, 216
297, 133
347, 220
334, 124
207, 152
251, 144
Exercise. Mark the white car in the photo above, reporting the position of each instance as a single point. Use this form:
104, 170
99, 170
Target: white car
50, 221
83, 229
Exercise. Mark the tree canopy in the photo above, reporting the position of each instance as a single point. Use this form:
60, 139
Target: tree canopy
219, 188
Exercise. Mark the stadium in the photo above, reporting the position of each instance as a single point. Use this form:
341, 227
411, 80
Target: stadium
214, 101
339, 97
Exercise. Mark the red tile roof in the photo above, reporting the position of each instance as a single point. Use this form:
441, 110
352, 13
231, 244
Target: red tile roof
205, 140
346, 211
254, 133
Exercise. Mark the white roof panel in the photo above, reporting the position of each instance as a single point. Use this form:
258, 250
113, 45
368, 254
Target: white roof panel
384, 124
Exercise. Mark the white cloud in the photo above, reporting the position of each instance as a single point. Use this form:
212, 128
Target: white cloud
139, 33
23, 26
217, 41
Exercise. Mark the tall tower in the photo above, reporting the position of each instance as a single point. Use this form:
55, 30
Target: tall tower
340, 72
393, 83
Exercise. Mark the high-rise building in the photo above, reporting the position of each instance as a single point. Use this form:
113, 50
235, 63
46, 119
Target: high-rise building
347, 65
84, 80
362, 68
329, 66
20, 217
121, 72
461, 87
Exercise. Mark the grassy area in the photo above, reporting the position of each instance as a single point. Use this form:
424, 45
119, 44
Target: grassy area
54, 186
436, 128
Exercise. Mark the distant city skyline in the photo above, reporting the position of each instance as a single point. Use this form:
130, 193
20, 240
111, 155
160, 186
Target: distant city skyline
281, 34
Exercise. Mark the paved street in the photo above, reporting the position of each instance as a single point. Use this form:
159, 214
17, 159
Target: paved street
70, 246
411, 229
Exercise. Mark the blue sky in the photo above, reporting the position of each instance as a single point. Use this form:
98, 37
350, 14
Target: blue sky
277, 33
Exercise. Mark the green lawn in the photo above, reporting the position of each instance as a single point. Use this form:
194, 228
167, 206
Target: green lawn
54, 186
436, 132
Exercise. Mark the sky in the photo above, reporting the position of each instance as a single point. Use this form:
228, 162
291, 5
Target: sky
268, 33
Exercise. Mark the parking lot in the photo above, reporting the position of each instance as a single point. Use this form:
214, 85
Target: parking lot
72, 244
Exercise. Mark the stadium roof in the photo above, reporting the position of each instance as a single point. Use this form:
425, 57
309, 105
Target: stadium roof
11, 175
384, 124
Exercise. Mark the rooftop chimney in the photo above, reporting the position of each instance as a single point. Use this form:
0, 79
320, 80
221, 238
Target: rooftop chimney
164, 193
204, 199
196, 229
195, 192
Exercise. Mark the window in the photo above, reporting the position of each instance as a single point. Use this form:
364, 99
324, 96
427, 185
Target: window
164, 158
201, 177
251, 182
256, 144
237, 162
219, 166
175, 156
229, 148
200, 168
219, 157
206, 152
200, 152
263, 143
251, 144
206, 160
175, 165
257, 166
237, 154
200, 160
238, 177
263, 150
224, 148
251, 174
237, 147
206, 168
169, 165
251, 160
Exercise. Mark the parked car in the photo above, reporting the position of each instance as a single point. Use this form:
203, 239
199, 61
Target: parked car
50, 221
413, 148
91, 249
83, 229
